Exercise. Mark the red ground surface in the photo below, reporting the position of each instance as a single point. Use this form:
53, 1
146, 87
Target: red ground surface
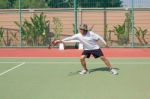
45, 52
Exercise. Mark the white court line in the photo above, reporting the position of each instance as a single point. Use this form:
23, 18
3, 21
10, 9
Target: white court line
77, 62
76, 57
11, 69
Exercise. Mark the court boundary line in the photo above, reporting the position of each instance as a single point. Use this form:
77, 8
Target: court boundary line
79, 57
14, 67
75, 62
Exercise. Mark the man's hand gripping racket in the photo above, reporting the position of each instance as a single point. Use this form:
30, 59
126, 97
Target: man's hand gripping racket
54, 43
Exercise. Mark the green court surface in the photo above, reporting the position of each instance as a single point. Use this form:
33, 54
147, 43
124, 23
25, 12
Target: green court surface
57, 78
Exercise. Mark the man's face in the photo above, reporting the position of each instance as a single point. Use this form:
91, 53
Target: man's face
82, 31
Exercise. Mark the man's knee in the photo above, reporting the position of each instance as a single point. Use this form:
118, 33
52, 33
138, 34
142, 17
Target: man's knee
82, 58
103, 58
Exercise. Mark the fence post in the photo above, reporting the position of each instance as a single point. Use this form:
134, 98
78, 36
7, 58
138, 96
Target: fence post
75, 16
20, 16
132, 20
105, 24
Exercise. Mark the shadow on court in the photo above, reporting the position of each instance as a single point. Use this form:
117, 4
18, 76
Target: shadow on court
100, 69
92, 70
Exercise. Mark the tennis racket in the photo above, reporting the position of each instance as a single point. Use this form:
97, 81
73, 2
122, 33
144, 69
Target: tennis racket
53, 43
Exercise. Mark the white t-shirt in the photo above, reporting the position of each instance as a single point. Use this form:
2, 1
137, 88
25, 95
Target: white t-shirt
89, 40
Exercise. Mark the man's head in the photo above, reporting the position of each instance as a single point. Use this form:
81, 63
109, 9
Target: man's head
83, 28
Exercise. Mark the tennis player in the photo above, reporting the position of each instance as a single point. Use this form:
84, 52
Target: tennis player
89, 40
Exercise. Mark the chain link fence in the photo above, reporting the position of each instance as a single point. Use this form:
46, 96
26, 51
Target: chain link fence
122, 23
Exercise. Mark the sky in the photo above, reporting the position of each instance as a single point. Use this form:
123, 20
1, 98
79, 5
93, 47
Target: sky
137, 3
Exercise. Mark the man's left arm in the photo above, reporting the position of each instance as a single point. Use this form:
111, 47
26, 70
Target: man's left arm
98, 37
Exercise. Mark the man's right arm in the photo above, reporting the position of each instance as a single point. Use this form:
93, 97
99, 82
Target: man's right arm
66, 39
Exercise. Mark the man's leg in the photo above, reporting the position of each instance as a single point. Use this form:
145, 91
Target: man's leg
83, 62
106, 61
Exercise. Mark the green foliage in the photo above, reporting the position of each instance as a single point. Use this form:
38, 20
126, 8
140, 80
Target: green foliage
140, 34
33, 30
57, 27
84, 3
1, 34
122, 31
59, 3
31, 4
119, 29
11, 3
100, 3
9, 37
3, 4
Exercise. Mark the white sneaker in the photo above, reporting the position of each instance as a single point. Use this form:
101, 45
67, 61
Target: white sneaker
114, 72
83, 72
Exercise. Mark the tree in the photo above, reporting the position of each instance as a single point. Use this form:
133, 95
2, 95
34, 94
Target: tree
60, 3
32, 4
100, 3
11, 3
84, 3
3, 4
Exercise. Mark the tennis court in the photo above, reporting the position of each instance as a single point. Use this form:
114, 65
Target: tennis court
58, 78
36, 64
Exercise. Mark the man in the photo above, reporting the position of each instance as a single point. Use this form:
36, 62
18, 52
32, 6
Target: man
89, 40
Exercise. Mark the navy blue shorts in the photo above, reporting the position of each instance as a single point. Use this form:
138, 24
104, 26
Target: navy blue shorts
96, 53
